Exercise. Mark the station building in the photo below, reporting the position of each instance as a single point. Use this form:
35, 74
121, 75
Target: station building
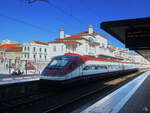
88, 43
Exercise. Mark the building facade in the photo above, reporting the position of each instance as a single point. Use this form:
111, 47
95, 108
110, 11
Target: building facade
88, 43
35, 51
10, 54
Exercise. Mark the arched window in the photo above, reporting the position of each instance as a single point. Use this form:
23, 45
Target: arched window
91, 39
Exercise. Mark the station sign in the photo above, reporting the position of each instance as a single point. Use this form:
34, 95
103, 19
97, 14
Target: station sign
138, 38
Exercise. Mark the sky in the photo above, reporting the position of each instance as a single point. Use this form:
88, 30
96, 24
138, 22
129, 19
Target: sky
41, 21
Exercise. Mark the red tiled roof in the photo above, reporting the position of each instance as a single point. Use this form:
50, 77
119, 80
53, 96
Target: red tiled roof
87, 33
8, 46
71, 42
83, 33
15, 49
63, 41
77, 36
73, 37
38, 42
56, 41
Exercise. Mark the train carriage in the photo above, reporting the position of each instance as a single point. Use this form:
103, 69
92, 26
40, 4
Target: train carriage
71, 67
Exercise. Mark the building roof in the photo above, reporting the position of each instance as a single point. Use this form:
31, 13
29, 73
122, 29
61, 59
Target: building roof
74, 37
87, 33
14, 49
38, 42
82, 33
63, 41
77, 36
8, 46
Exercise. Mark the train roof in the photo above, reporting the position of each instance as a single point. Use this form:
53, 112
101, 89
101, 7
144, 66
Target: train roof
85, 58
66, 57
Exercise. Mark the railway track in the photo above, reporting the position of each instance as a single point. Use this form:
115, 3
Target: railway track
61, 107
12, 104
54, 101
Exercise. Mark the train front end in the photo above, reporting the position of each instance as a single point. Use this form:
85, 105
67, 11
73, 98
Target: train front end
58, 70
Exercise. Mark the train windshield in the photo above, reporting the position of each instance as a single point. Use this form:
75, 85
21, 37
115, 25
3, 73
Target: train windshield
58, 63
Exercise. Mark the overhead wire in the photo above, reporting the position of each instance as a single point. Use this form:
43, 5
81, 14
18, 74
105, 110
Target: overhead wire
41, 28
26, 23
90, 10
62, 11
68, 14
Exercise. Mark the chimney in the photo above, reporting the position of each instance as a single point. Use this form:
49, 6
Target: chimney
62, 33
90, 29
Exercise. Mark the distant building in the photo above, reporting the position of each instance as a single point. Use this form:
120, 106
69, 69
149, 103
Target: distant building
126, 55
122, 53
139, 58
35, 51
3, 42
10, 53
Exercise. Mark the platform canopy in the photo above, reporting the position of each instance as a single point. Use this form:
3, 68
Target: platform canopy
134, 33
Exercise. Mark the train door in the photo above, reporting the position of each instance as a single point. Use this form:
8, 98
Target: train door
75, 69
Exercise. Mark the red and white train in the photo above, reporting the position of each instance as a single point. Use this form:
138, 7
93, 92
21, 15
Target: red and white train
72, 67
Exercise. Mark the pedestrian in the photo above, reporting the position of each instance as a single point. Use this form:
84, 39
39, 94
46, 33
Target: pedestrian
19, 68
6, 66
14, 72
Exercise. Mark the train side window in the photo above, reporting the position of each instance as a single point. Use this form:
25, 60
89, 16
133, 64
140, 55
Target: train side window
105, 67
86, 68
93, 67
110, 67
97, 67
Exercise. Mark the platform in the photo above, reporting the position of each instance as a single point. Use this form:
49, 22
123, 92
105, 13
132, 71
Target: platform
18, 79
133, 97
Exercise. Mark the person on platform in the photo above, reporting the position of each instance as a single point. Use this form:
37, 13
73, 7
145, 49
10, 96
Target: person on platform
19, 68
14, 72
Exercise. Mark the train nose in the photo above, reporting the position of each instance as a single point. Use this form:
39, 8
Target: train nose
51, 73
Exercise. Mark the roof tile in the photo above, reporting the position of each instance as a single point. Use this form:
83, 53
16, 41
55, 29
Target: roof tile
38, 42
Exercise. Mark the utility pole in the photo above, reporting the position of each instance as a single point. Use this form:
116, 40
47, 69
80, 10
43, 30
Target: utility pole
9, 65
26, 67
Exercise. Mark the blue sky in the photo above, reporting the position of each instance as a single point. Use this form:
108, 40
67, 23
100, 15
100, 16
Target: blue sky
23, 22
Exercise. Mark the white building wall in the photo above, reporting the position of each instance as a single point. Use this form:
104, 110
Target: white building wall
103, 41
31, 54
56, 49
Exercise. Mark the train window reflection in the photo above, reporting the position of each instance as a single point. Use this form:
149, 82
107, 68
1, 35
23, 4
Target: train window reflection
58, 63
95, 67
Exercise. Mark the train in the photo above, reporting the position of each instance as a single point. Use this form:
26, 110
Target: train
71, 67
